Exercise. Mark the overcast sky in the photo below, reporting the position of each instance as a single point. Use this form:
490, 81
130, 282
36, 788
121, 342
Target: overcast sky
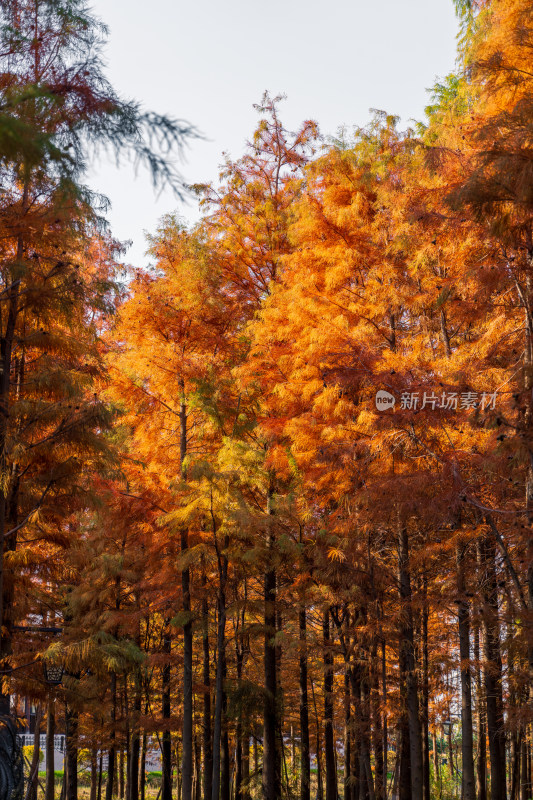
209, 61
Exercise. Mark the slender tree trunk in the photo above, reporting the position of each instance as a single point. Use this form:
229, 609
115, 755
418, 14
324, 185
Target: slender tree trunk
178, 771
31, 792
94, 774
305, 758
404, 773
358, 778
331, 776
135, 746
407, 646
50, 733
238, 729
347, 733
246, 760
481, 766
142, 776
435, 755
318, 749
187, 727
206, 721
524, 793
467, 734
366, 768
187, 730
376, 727
271, 775
166, 742
197, 768
425, 694
219, 699
493, 674
121, 786
385, 721
100, 775
225, 780
71, 731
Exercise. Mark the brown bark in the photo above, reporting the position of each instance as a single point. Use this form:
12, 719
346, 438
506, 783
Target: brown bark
407, 650
493, 672
331, 776
50, 733
271, 763
467, 734
305, 763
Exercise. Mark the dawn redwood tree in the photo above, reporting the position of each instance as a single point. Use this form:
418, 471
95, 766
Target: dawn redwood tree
56, 287
249, 216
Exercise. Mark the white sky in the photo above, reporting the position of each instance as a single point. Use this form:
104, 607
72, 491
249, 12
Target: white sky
208, 61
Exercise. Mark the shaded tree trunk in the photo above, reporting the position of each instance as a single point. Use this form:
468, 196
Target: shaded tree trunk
71, 736
481, 766
166, 742
347, 734
206, 720
142, 775
187, 727
271, 767
407, 649
219, 680
31, 792
331, 774
49, 789
493, 673
467, 734
425, 694
94, 774
305, 759
112, 735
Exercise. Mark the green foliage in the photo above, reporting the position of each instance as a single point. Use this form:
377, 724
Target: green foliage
27, 751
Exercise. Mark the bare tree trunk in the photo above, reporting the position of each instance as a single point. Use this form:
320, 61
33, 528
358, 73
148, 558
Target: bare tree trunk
219, 680
305, 763
358, 778
481, 767
493, 674
331, 776
100, 775
376, 727
425, 694
525, 793
71, 731
94, 774
467, 735
187, 728
435, 755
404, 772
166, 742
142, 775
347, 733
206, 721
225, 780
407, 647
385, 723
31, 792
121, 773
271, 773
49, 790
320, 784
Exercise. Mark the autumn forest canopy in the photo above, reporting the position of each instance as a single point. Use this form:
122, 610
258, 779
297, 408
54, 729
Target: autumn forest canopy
266, 505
